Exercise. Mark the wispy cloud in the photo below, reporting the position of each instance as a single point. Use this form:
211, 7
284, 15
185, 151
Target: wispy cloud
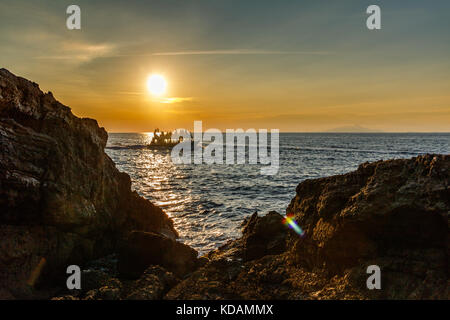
130, 93
175, 100
87, 52
238, 52
166, 100
79, 51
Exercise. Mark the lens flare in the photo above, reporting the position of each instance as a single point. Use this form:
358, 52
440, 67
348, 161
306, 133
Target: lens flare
291, 223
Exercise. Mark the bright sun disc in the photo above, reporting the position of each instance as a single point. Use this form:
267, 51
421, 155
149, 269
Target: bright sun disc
156, 84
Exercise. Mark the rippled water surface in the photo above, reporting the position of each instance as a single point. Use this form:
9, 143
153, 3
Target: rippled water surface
208, 202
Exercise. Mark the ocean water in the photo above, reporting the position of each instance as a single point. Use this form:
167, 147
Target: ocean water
209, 202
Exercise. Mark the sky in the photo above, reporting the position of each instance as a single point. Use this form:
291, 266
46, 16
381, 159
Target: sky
297, 66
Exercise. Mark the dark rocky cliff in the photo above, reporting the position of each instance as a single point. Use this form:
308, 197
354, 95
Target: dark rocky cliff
61, 197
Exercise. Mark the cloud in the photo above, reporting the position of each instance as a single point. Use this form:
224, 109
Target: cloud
166, 100
79, 51
214, 52
174, 100
130, 93
238, 52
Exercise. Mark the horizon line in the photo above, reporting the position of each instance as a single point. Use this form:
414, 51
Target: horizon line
374, 132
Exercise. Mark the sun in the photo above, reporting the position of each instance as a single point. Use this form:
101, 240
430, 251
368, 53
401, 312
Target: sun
156, 84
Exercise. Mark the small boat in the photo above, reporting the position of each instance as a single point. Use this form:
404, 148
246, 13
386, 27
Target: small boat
163, 140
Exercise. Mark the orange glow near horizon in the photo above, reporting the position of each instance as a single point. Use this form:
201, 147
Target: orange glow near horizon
308, 68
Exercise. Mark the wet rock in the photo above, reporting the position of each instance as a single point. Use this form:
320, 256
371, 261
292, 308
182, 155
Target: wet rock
143, 249
263, 235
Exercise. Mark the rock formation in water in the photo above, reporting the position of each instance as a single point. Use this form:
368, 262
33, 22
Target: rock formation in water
393, 214
143, 249
62, 200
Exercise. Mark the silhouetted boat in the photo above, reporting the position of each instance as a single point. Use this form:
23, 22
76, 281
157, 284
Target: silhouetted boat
163, 140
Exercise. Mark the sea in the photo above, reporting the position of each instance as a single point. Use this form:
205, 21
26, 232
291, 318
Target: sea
208, 202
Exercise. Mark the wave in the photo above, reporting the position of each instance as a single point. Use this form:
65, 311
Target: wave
285, 148
350, 149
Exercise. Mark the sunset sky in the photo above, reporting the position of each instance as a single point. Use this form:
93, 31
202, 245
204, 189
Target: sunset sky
297, 66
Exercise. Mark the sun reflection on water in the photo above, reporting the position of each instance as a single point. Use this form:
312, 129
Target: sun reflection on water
208, 203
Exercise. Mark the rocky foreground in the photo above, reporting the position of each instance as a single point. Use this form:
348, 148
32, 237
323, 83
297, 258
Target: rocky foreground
64, 202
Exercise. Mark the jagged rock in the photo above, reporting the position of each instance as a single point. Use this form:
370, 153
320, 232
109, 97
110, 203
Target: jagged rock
93, 279
104, 293
67, 297
143, 249
211, 282
106, 265
152, 285
263, 236
95, 284
390, 213
61, 197
229, 272
393, 214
